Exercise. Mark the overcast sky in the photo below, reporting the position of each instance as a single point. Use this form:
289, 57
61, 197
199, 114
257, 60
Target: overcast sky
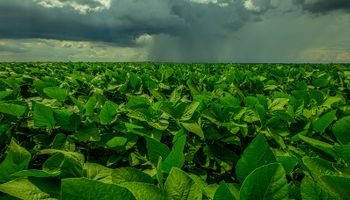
175, 30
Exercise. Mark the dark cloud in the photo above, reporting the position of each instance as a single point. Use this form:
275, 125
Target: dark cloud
120, 24
178, 30
324, 6
121, 21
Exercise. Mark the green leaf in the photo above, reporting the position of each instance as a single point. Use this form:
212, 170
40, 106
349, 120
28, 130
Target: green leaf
36, 173
266, 182
337, 186
82, 188
311, 190
180, 186
43, 116
90, 106
4, 94
224, 193
108, 112
46, 82
129, 174
69, 163
13, 109
136, 102
17, 159
319, 167
325, 147
341, 130
144, 191
88, 133
56, 93
193, 128
257, 154
262, 113
32, 189
323, 122
68, 120
117, 142
176, 94
156, 149
288, 162
187, 115
320, 82
160, 125
134, 80
97, 172
176, 157
278, 104
250, 101
343, 151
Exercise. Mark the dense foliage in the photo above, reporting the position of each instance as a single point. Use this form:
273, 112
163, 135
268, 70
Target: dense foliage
174, 131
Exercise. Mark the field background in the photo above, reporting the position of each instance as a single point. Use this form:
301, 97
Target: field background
174, 131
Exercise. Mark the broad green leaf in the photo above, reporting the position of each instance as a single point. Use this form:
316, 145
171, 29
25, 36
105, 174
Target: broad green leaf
68, 120
333, 99
257, 154
144, 191
32, 189
116, 142
320, 82
134, 80
88, 133
180, 186
12, 109
176, 157
310, 190
224, 193
278, 104
266, 182
46, 82
250, 101
325, 147
156, 149
4, 94
43, 116
90, 106
82, 188
319, 167
17, 159
136, 102
176, 94
210, 190
160, 125
193, 128
337, 186
69, 163
36, 173
288, 162
129, 174
343, 151
230, 101
78, 103
187, 115
341, 130
108, 112
323, 122
56, 93
97, 172
262, 113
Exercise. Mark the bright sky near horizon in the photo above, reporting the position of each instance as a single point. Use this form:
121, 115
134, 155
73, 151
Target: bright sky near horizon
175, 30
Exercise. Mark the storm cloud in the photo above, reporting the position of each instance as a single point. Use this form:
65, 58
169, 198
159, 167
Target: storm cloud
178, 30
119, 24
324, 6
